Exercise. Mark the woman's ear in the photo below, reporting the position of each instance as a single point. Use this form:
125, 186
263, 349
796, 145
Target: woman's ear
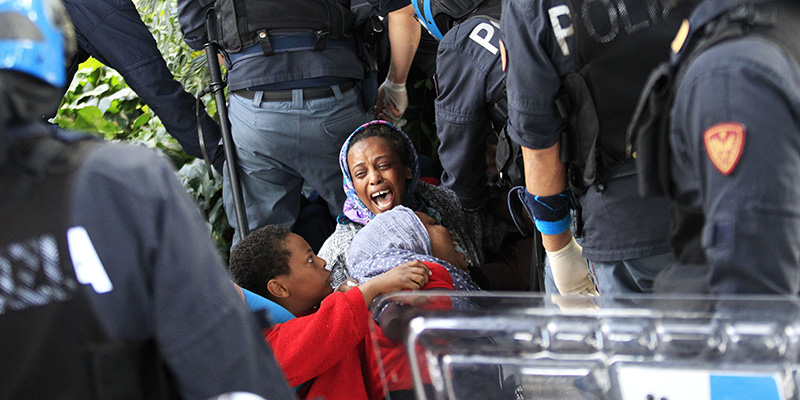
409, 173
276, 288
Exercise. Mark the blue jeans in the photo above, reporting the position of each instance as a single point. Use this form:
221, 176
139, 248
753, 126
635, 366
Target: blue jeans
281, 144
629, 276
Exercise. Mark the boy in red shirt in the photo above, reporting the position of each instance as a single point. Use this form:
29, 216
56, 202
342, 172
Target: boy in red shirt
326, 351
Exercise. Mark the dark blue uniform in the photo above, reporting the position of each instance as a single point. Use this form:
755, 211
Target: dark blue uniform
468, 74
625, 238
142, 256
113, 32
290, 113
388, 6
735, 140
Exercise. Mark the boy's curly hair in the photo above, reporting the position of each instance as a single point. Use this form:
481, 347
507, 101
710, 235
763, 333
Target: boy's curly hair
261, 256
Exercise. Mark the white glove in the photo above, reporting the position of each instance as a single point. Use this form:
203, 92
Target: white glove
570, 270
396, 94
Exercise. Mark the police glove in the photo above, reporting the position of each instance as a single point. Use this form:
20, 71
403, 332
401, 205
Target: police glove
570, 270
396, 94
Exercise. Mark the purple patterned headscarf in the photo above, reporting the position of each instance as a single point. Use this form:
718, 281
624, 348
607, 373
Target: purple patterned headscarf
354, 208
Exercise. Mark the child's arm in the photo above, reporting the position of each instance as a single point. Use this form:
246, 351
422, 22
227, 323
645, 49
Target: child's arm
305, 347
412, 275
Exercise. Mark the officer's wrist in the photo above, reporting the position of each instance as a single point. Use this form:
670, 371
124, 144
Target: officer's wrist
393, 85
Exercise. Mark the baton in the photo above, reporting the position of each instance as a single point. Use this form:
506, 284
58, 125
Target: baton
217, 85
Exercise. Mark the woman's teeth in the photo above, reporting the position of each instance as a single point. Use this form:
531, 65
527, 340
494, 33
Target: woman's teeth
383, 199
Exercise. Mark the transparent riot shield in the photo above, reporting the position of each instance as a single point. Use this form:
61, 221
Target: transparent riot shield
529, 346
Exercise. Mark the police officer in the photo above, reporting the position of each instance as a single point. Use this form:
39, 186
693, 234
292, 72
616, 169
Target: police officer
734, 122
293, 75
581, 72
470, 115
112, 32
110, 287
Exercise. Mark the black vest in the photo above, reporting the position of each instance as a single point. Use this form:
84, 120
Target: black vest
617, 44
245, 22
508, 158
52, 344
648, 134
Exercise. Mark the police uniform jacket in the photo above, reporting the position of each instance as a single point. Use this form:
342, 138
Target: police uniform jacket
735, 139
539, 43
294, 65
143, 257
469, 73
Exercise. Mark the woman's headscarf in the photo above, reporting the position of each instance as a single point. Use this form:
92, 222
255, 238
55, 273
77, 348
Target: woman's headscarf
392, 238
354, 208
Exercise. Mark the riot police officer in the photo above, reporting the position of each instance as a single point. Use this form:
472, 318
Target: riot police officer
294, 77
727, 107
471, 112
111, 287
575, 69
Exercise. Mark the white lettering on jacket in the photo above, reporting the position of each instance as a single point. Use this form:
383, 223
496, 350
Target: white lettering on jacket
30, 275
482, 34
561, 32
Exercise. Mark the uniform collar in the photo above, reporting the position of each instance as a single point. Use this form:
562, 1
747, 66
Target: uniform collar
18, 131
708, 11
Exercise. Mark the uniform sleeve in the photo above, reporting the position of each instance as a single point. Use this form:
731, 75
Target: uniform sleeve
169, 284
388, 6
467, 73
308, 346
192, 19
752, 216
533, 81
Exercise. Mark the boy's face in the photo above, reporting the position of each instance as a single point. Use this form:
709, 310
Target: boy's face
308, 281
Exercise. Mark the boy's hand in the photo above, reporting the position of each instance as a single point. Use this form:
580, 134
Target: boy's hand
347, 285
412, 275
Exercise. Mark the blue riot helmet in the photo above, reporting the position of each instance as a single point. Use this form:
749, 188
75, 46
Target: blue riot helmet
438, 16
36, 38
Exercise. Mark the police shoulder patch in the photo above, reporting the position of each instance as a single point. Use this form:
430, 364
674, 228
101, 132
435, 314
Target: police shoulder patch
724, 144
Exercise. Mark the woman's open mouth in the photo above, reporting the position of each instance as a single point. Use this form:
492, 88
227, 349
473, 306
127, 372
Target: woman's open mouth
383, 199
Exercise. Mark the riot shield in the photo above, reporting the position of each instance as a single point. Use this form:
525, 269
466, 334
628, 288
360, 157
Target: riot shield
529, 346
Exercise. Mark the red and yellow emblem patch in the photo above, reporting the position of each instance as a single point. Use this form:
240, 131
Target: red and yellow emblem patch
724, 144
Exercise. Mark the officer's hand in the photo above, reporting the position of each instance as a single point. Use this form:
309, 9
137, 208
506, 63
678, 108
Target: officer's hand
571, 271
567, 303
392, 101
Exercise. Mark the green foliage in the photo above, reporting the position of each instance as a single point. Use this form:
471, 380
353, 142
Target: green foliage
99, 101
